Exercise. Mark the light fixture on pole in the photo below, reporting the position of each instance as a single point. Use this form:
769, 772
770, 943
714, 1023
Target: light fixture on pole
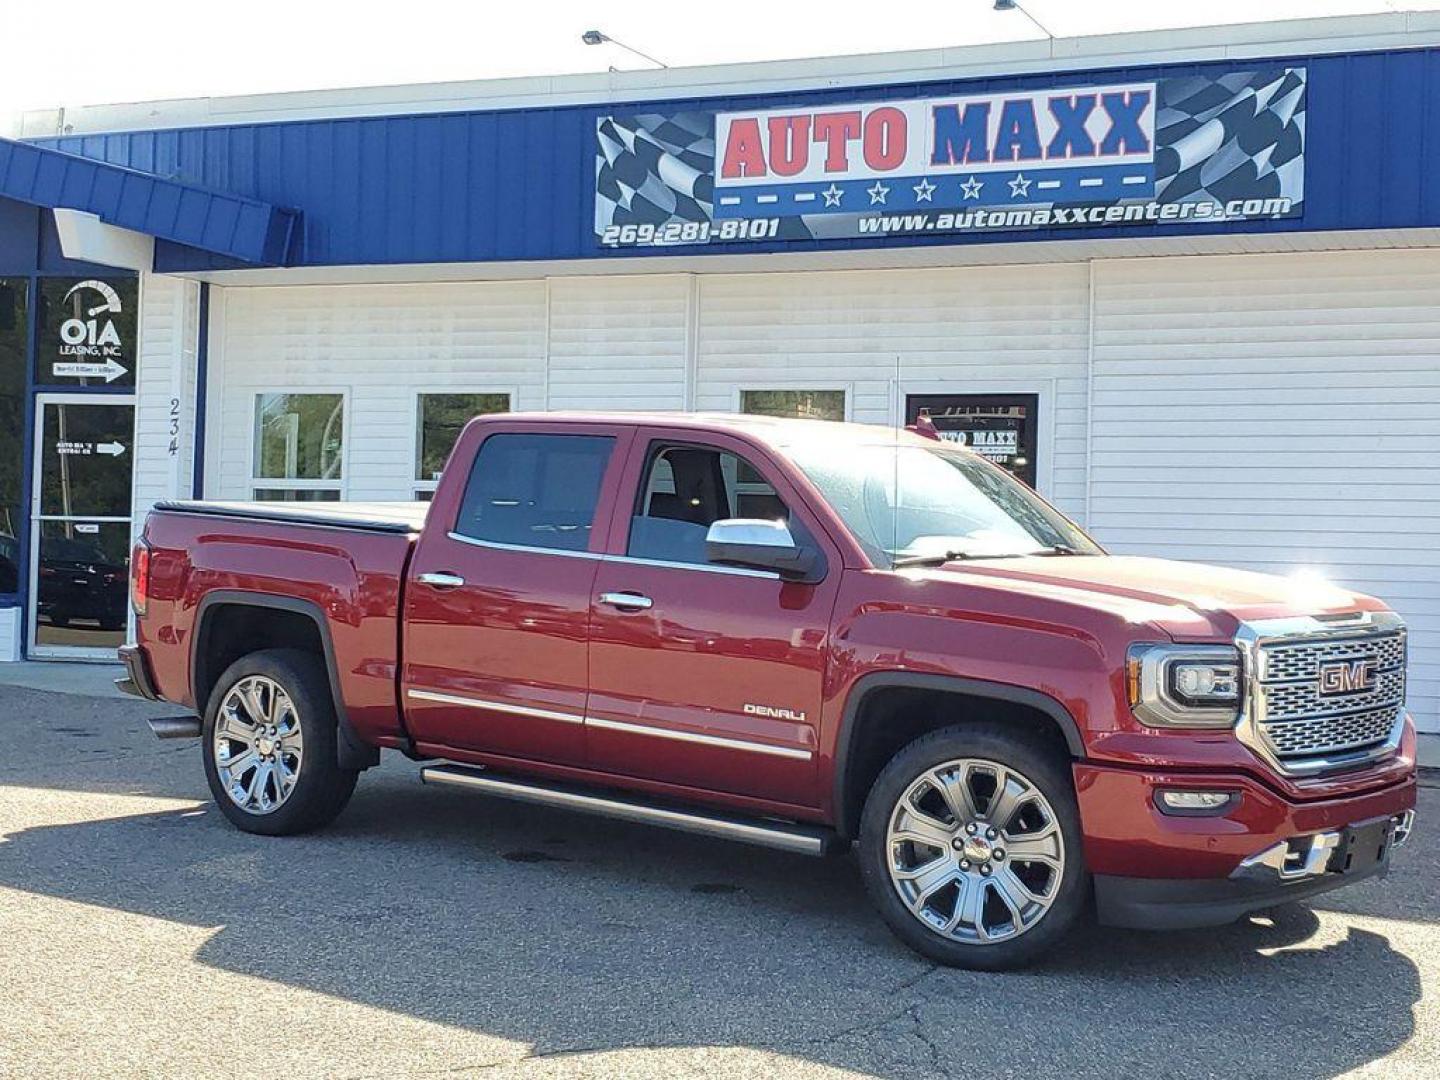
1014, 5
595, 37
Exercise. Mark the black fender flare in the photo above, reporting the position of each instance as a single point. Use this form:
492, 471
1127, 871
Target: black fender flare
957, 684
351, 751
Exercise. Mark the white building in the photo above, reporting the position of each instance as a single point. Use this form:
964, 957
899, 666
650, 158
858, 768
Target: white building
1255, 383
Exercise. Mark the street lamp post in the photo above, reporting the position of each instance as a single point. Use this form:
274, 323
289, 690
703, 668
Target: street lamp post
595, 37
1014, 5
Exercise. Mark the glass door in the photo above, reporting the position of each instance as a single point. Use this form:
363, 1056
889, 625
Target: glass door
80, 525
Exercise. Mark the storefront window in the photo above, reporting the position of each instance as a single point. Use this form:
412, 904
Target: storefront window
801, 404
14, 327
299, 446
87, 332
1001, 427
439, 421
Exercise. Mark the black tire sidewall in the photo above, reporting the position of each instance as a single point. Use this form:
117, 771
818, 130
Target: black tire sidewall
322, 789
1049, 771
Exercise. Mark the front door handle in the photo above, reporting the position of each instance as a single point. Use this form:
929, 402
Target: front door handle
627, 601
441, 580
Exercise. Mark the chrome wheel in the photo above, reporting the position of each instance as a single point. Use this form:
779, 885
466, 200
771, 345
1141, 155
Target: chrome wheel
975, 851
259, 748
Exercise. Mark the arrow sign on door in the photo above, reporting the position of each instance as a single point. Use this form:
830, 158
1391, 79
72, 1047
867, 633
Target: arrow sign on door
73, 369
85, 449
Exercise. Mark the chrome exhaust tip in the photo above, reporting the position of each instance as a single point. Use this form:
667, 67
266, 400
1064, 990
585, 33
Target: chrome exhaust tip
175, 727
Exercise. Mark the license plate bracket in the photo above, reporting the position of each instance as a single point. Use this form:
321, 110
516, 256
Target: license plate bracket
1363, 846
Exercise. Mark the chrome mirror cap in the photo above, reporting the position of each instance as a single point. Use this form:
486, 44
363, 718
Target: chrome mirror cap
750, 532
763, 545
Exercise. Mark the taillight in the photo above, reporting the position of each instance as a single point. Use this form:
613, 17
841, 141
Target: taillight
140, 577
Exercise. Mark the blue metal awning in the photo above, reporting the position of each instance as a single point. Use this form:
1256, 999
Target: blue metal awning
230, 225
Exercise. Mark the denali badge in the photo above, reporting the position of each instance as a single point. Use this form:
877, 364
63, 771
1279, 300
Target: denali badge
774, 713
1347, 676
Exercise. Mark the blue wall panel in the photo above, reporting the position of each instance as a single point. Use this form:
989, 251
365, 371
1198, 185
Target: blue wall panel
518, 184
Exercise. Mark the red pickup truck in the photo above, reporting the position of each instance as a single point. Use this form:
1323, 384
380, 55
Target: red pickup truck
804, 635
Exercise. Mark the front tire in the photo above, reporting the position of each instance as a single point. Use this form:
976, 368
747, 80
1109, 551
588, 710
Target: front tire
269, 742
970, 847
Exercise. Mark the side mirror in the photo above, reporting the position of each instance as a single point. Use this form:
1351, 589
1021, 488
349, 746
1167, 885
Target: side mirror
760, 545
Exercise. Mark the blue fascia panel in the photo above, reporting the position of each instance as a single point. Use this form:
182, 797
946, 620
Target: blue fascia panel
229, 225
518, 184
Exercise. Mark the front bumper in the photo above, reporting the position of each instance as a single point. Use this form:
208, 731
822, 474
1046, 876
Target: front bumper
1162, 871
1281, 874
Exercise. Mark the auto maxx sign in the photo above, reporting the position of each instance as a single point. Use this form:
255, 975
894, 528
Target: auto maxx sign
1219, 147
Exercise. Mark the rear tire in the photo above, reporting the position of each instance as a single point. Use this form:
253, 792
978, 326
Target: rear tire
962, 876
272, 767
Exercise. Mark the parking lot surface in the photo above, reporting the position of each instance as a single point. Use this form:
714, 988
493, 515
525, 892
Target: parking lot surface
431, 931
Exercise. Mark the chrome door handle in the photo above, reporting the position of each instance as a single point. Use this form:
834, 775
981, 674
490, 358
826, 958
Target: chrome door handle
627, 601
441, 580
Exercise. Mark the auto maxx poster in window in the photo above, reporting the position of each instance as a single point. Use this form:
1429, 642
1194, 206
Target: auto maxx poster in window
1203, 148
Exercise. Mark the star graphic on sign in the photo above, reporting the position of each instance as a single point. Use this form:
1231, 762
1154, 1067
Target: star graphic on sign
1019, 187
972, 187
924, 189
832, 195
877, 193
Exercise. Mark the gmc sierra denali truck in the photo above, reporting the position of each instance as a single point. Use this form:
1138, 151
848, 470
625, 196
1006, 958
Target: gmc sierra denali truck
799, 634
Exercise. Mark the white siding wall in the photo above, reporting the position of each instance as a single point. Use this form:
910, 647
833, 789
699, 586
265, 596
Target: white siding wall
1273, 412
10, 634
165, 373
1277, 412
1015, 329
381, 345
619, 343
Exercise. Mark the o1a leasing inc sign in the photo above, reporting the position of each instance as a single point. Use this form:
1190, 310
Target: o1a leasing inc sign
89, 332
1222, 147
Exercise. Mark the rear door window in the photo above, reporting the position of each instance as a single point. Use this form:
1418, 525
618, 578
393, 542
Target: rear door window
536, 491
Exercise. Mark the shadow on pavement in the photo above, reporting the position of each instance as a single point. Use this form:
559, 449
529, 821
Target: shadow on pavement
572, 934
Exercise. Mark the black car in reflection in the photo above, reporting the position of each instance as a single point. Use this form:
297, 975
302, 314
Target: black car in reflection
9, 564
79, 582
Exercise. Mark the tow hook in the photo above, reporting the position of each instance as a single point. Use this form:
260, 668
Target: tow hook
1291, 860
175, 727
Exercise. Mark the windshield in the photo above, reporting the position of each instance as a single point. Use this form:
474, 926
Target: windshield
908, 504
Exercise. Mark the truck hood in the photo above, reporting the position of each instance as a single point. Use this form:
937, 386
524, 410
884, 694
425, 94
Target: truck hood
1188, 601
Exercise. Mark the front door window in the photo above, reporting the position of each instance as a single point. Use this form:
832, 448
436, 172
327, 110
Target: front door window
81, 525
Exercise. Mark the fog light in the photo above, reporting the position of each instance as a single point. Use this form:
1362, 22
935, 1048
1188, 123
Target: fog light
1195, 803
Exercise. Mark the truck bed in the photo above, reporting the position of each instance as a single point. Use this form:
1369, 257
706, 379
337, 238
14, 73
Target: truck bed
339, 565
395, 517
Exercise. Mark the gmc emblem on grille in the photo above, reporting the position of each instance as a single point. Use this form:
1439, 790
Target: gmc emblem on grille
1347, 676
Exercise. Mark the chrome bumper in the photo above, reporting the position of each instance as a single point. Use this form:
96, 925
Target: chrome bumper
1304, 857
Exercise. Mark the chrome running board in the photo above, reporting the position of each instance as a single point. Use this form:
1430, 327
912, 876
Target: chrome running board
786, 836
175, 727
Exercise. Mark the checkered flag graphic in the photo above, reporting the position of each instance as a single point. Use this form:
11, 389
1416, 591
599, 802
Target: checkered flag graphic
654, 169
1235, 136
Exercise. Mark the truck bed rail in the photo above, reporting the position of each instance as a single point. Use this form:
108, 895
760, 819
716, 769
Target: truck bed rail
394, 517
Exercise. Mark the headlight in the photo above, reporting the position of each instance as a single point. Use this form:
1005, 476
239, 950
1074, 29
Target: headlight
1184, 685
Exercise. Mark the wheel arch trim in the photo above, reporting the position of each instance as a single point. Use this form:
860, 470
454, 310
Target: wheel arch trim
352, 750
847, 823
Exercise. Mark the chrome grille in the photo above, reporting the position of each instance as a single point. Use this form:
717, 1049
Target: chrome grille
1302, 660
1330, 734
1286, 701
1301, 726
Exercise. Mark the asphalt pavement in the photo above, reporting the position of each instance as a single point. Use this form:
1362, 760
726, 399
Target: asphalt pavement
432, 931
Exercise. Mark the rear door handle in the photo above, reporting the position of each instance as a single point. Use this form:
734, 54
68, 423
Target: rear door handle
627, 601
441, 580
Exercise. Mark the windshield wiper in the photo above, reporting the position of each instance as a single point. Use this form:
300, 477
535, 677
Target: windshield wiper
1058, 549
941, 558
